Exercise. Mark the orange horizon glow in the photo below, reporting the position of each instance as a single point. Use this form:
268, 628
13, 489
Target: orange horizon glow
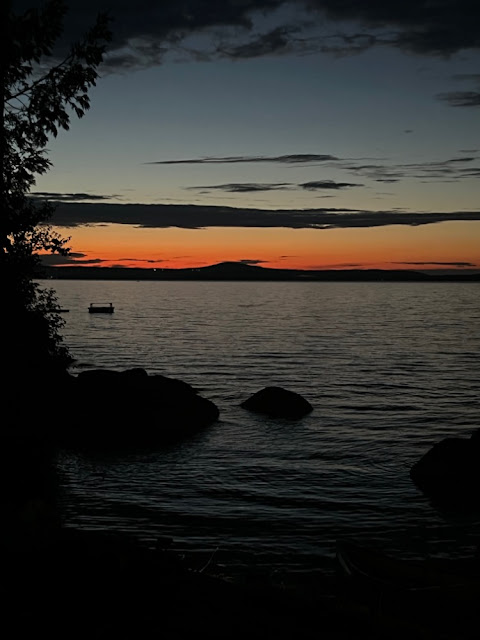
444, 245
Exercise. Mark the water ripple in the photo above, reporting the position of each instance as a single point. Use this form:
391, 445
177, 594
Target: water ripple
389, 369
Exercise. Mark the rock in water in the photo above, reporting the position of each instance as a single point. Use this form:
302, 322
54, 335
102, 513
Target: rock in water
278, 403
450, 471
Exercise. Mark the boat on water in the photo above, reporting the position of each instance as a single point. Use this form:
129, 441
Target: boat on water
437, 595
101, 307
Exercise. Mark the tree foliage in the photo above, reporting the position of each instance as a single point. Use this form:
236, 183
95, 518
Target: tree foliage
40, 92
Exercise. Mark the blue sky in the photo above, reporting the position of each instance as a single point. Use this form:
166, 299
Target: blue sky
304, 105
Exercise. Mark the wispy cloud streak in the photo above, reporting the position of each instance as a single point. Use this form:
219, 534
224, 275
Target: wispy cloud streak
460, 168
464, 98
296, 158
249, 187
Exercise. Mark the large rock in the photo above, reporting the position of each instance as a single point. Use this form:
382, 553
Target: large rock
278, 403
450, 471
111, 409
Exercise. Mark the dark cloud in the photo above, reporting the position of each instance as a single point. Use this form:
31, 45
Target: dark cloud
463, 98
252, 262
473, 172
69, 197
249, 187
87, 261
438, 27
243, 187
162, 216
327, 184
298, 158
143, 260
52, 260
278, 40
146, 32
442, 169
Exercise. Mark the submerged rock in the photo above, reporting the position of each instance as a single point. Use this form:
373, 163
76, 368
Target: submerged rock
450, 471
278, 403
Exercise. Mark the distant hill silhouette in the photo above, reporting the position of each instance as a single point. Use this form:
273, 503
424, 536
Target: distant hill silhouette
245, 272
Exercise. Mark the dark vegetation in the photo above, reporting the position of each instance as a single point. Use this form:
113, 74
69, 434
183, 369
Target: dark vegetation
40, 91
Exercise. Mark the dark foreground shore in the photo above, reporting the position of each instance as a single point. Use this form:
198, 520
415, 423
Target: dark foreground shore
100, 585
89, 585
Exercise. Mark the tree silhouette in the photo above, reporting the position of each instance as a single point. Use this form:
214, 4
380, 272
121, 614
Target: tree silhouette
40, 91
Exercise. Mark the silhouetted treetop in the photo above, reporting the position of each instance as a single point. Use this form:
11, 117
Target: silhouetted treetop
40, 92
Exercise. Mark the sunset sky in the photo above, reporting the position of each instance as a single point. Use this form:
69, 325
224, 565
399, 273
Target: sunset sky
304, 134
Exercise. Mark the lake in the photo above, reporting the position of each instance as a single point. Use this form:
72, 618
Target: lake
390, 368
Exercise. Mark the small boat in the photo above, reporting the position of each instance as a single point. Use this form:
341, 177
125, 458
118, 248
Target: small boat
101, 307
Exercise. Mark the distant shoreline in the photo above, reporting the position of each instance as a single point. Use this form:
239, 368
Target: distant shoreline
234, 271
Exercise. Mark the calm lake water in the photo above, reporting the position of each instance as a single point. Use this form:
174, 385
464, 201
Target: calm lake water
389, 368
